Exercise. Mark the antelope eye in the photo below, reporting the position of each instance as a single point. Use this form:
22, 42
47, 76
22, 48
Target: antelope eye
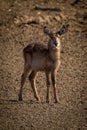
52, 37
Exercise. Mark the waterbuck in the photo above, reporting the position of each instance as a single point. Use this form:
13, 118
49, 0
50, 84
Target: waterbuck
39, 57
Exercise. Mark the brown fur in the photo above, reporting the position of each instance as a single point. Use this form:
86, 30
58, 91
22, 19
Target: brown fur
42, 58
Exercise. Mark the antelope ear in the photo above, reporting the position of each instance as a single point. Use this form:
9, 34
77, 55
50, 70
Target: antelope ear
46, 31
63, 29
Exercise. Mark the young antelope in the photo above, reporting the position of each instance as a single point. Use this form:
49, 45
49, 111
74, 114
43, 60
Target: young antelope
39, 57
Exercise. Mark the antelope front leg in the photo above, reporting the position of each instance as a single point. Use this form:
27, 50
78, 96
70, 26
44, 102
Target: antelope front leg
53, 78
48, 86
23, 78
33, 85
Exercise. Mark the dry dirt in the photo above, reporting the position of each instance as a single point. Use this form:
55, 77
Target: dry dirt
20, 24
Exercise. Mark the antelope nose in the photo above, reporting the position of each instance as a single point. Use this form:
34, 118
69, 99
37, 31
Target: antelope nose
55, 44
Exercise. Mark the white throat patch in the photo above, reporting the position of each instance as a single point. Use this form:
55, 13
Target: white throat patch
58, 41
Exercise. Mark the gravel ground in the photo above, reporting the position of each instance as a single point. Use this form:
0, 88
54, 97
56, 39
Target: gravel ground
21, 23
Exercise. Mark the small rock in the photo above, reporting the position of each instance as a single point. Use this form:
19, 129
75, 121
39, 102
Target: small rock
9, 10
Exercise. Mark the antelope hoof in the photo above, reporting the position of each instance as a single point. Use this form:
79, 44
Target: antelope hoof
37, 98
20, 98
47, 101
57, 101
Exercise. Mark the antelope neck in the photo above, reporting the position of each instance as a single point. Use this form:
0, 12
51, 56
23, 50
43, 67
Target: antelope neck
54, 54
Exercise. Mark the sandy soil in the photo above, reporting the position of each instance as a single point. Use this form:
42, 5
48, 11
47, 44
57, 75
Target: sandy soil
21, 24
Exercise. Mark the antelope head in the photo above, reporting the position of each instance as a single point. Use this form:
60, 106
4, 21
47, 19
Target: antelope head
54, 41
